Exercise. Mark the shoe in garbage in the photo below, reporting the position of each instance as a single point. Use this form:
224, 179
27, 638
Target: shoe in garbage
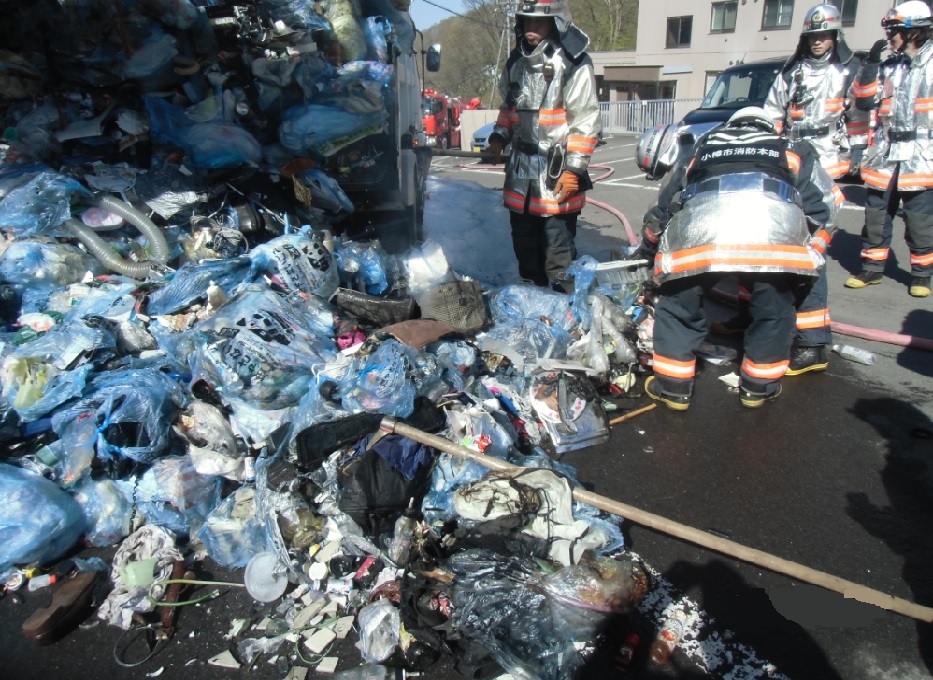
71, 603
753, 400
674, 402
808, 359
864, 278
920, 286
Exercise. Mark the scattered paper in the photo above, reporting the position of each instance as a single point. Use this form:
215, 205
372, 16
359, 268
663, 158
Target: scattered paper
224, 660
731, 379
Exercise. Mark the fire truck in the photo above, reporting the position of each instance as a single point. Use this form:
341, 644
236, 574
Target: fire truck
441, 119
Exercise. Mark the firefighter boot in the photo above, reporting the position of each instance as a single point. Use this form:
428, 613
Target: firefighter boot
864, 278
756, 400
675, 402
920, 286
807, 359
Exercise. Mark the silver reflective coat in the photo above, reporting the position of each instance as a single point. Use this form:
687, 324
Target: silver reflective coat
808, 100
542, 111
902, 96
751, 223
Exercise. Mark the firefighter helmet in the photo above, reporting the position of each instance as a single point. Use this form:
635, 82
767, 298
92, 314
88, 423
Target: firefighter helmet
910, 14
558, 9
822, 18
657, 151
752, 116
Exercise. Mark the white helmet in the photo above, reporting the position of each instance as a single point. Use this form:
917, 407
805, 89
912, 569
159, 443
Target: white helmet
558, 9
910, 14
752, 116
822, 18
657, 151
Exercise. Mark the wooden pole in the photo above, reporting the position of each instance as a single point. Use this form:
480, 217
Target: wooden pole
631, 414
684, 532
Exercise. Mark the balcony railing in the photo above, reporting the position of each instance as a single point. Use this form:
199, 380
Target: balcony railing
641, 114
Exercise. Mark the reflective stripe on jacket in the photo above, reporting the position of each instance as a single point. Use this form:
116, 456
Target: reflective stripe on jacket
761, 204
811, 106
900, 92
540, 112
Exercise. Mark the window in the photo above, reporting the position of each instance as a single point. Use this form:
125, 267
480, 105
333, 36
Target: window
678, 31
724, 17
777, 14
847, 9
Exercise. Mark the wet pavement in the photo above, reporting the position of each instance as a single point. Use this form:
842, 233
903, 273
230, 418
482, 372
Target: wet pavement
837, 475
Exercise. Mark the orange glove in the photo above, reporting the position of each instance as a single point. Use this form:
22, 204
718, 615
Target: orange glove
567, 186
493, 152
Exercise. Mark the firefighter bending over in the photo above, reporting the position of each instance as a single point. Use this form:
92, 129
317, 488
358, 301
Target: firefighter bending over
751, 203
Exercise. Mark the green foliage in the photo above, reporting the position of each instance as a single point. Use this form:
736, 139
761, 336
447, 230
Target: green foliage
476, 44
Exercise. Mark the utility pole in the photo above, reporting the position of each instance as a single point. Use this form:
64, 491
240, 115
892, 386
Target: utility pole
506, 10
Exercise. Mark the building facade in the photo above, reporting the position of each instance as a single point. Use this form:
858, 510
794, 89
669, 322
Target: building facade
683, 45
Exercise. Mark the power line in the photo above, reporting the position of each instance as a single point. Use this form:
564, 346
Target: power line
462, 16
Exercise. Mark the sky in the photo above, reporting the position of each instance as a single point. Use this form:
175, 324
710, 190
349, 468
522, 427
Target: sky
426, 15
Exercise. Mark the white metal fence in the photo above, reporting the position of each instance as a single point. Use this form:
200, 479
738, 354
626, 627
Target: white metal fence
639, 115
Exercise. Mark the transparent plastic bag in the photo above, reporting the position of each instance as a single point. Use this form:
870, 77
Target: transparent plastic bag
326, 194
532, 302
189, 284
326, 129
108, 509
585, 595
379, 624
525, 341
380, 382
427, 267
172, 494
45, 265
376, 29
260, 348
41, 204
297, 263
38, 521
234, 530
583, 272
214, 144
133, 410
296, 14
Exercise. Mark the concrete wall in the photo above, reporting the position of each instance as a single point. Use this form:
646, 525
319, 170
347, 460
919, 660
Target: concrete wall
472, 120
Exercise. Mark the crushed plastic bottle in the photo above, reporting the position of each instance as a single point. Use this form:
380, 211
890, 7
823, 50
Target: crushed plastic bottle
668, 637
856, 354
400, 546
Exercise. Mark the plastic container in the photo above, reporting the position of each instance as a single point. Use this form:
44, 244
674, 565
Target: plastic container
139, 573
265, 578
856, 354
41, 581
400, 545
670, 634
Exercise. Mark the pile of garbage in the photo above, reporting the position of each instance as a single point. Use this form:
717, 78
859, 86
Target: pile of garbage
193, 365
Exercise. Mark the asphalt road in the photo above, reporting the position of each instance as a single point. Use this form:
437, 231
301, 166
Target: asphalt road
835, 475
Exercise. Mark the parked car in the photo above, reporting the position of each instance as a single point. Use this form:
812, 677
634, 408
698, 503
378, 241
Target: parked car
735, 88
481, 137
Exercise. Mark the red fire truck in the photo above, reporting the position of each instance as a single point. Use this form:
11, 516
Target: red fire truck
441, 119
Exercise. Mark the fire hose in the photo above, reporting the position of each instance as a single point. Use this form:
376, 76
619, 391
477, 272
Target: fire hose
874, 335
629, 232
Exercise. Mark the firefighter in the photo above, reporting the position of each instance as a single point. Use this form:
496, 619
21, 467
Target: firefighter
898, 168
550, 115
811, 98
751, 203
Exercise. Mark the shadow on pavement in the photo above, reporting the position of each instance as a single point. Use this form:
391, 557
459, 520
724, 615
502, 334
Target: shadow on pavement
918, 323
904, 523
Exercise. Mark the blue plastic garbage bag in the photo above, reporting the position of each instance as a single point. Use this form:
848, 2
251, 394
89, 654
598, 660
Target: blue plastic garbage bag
43, 265
235, 530
532, 302
296, 263
189, 284
172, 494
108, 509
39, 205
38, 521
133, 409
214, 144
380, 382
296, 14
261, 348
325, 129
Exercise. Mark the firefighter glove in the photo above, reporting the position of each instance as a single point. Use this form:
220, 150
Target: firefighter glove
567, 186
493, 152
874, 54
